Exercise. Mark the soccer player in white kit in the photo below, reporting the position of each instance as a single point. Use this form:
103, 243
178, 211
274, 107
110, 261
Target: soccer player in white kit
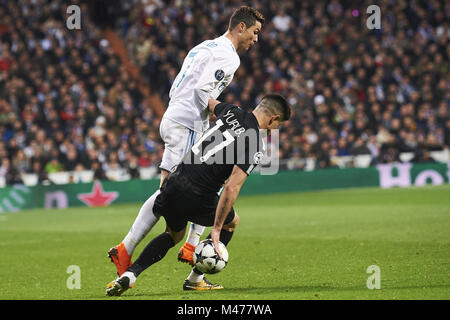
207, 70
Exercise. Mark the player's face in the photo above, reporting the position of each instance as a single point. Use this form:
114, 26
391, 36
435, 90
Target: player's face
250, 35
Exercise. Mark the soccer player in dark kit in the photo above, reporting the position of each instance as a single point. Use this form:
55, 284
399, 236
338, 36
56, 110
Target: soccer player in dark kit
227, 152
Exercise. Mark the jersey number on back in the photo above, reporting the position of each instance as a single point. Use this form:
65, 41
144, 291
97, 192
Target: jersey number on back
228, 140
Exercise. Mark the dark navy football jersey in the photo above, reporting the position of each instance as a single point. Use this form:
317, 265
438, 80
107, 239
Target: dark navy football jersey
234, 139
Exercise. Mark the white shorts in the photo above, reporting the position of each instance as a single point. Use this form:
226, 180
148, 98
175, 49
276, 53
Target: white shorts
178, 141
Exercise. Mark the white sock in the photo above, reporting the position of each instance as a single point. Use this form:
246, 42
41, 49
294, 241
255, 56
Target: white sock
144, 222
195, 232
194, 277
130, 276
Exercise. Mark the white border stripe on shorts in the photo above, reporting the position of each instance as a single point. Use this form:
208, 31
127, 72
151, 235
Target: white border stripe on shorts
250, 168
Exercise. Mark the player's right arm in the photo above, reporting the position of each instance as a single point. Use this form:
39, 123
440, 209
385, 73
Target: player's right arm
228, 197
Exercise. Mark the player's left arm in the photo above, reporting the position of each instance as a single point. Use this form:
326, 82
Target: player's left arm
228, 197
219, 69
216, 108
212, 103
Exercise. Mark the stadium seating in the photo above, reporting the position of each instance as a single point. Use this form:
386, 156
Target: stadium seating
96, 95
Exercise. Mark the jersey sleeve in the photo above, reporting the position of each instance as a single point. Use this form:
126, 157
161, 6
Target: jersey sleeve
250, 155
223, 107
248, 165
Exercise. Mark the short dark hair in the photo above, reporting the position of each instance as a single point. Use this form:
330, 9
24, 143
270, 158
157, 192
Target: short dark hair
276, 104
245, 14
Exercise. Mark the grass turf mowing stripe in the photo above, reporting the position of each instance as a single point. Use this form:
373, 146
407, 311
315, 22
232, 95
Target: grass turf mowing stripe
311, 245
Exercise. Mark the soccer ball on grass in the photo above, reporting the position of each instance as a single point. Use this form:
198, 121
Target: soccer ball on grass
206, 259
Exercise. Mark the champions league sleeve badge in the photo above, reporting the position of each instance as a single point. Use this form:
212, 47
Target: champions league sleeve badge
219, 74
257, 157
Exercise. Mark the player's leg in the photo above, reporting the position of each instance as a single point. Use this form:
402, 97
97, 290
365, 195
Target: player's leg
144, 222
176, 139
121, 254
156, 249
227, 230
173, 206
196, 279
186, 252
195, 231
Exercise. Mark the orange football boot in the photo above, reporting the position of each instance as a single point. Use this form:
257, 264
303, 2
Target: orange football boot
120, 257
186, 253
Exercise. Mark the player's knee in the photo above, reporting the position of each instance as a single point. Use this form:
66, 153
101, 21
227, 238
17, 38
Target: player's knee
230, 227
176, 236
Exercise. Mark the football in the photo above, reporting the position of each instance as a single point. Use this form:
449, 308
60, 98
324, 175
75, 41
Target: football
206, 259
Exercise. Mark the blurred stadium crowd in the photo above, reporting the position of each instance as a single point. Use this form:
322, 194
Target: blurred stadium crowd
67, 102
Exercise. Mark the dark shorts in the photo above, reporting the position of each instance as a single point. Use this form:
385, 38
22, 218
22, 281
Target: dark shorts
178, 206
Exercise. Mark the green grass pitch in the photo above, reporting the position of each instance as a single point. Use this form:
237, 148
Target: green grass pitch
310, 245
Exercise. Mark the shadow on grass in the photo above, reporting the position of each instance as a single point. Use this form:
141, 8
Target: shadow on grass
252, 291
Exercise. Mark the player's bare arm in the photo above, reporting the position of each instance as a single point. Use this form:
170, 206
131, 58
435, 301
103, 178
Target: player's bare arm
212, 103
226, 201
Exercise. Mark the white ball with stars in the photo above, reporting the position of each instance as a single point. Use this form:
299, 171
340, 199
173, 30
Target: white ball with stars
206, 259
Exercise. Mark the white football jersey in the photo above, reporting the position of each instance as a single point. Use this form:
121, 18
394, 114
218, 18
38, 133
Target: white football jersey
206, 71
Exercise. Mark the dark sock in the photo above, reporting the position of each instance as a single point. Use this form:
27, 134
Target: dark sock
153, 252
197, 271
225, 236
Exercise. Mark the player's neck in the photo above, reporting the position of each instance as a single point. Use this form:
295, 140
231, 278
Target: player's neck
263, 122
233, 39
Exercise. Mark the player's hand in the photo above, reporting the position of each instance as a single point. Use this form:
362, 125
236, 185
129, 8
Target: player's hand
215, 236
